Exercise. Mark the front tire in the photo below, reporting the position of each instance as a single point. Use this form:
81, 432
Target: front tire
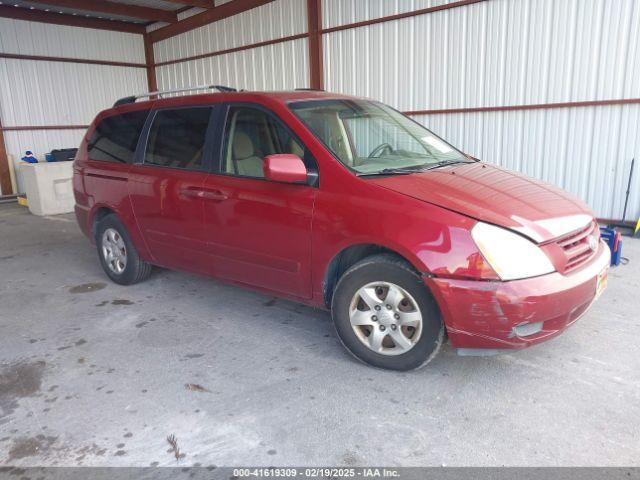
385, 315
118, 256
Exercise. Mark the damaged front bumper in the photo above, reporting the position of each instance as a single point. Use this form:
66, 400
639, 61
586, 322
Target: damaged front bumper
487, 317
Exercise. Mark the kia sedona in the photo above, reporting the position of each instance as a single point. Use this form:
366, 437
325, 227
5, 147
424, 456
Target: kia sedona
341, 203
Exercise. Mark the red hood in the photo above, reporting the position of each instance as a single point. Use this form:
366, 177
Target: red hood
488, 193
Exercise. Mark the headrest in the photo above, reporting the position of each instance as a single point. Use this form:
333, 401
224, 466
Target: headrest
295, 148
242, 146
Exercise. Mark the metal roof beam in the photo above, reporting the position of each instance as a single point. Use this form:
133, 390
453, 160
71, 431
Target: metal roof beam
193, 3
71, 20
112, 8
204, 18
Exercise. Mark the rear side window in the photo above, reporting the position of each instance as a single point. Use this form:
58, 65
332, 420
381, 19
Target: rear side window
115, 138
177, 138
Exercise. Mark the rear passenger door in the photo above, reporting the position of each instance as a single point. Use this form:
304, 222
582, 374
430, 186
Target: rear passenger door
166, 185
258, 231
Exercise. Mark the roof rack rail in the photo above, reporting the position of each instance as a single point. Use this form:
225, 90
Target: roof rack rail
305, 89
133, 98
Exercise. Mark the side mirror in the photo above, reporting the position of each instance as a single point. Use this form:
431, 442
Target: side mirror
284, 167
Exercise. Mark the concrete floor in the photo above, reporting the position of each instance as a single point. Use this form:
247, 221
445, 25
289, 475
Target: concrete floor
96, 376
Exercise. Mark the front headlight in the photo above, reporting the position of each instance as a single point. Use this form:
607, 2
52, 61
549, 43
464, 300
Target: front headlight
509, 254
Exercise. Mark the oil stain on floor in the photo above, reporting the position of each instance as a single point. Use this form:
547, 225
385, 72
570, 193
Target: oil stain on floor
30, 447
18, 380
121, 301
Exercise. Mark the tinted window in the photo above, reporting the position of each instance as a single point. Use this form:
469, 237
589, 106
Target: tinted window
252, 135
177, 138
115, 138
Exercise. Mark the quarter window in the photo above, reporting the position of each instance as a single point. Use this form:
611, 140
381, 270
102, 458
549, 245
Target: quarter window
252, 135
177, 138
115, 138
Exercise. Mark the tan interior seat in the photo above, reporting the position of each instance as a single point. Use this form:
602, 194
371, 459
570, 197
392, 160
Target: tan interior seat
295, 148
244, 156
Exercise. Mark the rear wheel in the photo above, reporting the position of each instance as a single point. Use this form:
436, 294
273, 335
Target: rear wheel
385, 315
118, 256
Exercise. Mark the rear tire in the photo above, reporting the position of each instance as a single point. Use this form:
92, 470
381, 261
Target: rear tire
118, 256
385, 315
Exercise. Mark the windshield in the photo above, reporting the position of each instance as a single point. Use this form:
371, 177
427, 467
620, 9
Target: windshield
371, 138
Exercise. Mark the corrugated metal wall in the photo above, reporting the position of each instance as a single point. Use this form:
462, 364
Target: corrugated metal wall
31, 38
34, 92
501, 53
273, 67
343, 12
494, 53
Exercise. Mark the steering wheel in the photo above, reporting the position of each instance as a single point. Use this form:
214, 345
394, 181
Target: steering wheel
380, 149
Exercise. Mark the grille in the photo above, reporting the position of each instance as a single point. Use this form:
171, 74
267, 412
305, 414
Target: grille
576, 246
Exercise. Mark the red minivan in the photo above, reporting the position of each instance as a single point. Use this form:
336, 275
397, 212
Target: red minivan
341, 203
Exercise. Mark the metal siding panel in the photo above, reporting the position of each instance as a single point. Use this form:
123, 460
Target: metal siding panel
32, 93
342, 12
632, 70
41, 142
35, 38
499, 52
53, 93
281, 18
279, 66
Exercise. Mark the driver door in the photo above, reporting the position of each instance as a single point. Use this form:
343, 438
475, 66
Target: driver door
258, 232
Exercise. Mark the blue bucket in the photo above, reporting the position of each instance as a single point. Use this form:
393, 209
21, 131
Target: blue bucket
613, 238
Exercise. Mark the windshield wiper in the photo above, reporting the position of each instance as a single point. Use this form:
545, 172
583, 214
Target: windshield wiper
393, 171
412, 169
446, 163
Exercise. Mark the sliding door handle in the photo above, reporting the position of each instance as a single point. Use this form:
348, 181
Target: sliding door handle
214, 195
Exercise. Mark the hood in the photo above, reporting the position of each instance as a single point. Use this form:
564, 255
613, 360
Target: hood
533, 208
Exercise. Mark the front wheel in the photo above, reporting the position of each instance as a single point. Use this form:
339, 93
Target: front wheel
385, 315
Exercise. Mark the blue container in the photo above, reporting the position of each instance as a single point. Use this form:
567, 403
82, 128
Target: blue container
613, 238
49, 157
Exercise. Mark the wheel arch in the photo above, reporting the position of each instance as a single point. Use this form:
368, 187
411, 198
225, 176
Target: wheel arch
98, 214
100, 211
350, 255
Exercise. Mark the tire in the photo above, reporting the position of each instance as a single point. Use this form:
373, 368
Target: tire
112, 236
397, 324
